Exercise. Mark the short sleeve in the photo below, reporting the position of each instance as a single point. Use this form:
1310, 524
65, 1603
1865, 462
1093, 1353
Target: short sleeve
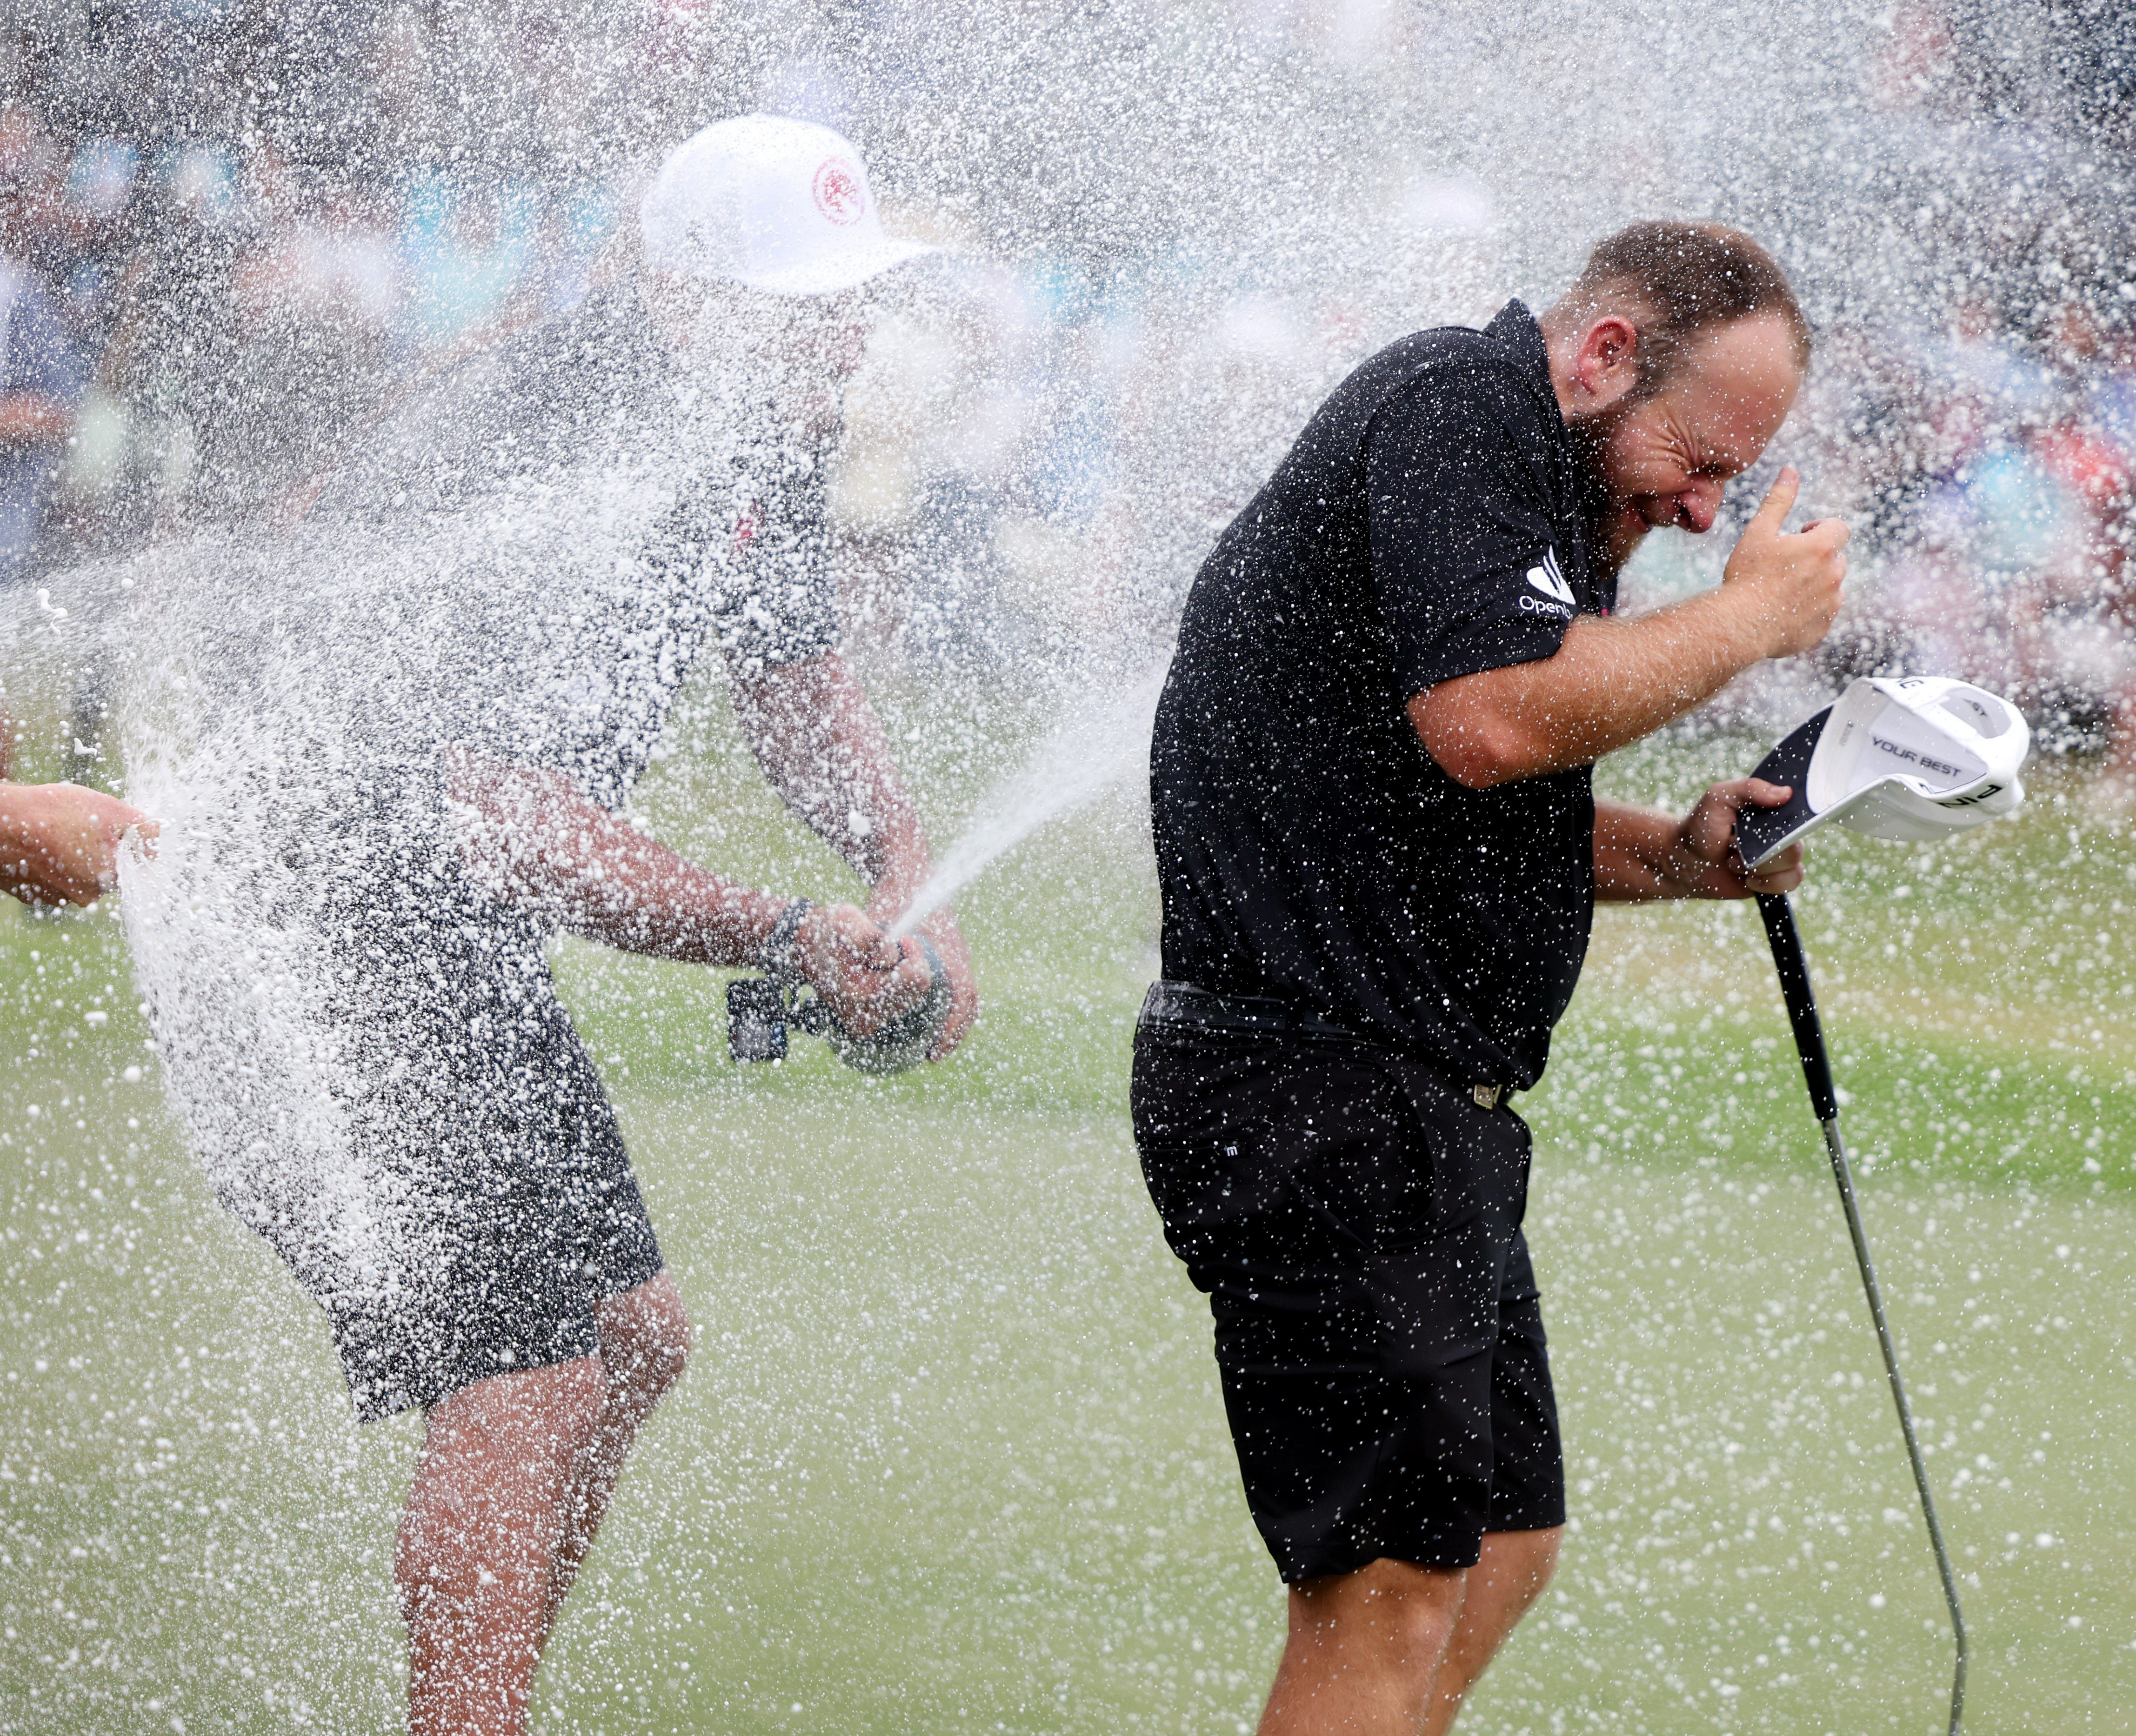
1459, 512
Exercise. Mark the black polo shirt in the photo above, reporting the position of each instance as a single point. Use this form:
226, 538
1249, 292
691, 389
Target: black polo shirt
1430, 522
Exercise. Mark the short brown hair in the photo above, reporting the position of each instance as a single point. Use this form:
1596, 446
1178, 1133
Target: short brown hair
1684, 279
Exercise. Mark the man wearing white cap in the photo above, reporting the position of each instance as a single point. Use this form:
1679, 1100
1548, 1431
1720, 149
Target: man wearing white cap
536, 1327
758, 236
772, 203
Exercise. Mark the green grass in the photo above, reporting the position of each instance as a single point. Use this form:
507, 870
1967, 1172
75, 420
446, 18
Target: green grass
951, 1458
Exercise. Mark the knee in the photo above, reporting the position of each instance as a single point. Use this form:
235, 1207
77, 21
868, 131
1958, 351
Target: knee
1420, 1607
645, 1340
569, 1409
1398, 1615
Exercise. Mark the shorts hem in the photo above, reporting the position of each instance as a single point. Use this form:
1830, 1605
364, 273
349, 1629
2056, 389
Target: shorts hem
1443, 1560
622, 1282
383, 1399
1540, 1517
1334, 1565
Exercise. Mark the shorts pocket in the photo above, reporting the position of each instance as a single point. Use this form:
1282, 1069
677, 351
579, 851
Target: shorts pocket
1201, 1129
1478, 1160
1363, 1158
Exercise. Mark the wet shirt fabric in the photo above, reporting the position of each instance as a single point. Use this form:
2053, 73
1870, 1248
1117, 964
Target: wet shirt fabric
1429, 523
592, 411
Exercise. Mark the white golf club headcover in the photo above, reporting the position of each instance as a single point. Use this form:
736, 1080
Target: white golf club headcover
1913, 757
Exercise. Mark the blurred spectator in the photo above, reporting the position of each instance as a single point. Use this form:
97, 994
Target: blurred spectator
465, 250
43, 376
1991, 483
170, 359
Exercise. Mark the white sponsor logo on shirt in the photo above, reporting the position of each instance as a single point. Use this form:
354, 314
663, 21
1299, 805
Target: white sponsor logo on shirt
1550, 581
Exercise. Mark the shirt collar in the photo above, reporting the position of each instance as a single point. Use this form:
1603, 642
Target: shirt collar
1517, 330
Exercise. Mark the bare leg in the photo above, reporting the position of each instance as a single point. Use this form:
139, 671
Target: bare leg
645, 1342
1515, 1568
1364, 1651
479, 1544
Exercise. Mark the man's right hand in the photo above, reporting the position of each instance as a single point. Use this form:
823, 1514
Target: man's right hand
865, 978
1788, 581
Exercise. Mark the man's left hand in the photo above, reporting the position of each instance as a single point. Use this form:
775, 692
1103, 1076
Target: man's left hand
941, 928
1701, 861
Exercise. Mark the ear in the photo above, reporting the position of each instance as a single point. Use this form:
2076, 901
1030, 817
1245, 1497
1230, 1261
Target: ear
1606, 366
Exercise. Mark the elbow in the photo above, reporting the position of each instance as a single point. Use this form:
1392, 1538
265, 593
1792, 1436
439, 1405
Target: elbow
1475, 765
1479, 752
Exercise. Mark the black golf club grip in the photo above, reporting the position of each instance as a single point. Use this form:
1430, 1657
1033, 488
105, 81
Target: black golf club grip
1794, 968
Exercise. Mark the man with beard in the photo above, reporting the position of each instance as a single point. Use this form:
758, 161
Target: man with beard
1379, 852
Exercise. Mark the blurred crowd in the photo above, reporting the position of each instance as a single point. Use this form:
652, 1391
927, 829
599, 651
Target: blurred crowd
192, 331
1036, 451
223, 249
1990, 473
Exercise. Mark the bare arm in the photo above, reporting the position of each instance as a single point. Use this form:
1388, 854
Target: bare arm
1640, 855
544, 846
819, 741
59, 842
1611, 683
547, 847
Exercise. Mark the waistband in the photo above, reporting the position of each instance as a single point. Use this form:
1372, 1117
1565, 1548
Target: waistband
1185, 1007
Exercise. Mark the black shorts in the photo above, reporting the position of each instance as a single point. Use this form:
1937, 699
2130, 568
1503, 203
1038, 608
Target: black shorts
489, 1121
455, 1192
1355, 1218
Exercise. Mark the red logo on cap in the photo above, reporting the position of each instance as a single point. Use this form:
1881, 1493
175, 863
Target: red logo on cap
838, 192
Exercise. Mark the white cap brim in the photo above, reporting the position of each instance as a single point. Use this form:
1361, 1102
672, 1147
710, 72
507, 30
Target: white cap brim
849, 270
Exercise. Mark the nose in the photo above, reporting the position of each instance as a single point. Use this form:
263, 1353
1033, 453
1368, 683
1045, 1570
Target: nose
1697, 506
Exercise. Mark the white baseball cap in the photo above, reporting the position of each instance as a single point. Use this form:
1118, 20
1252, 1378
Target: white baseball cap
771, 203
1912, 757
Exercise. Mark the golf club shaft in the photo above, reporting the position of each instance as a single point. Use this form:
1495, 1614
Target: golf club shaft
1794, 968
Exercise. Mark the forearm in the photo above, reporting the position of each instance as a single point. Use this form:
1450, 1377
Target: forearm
820, 743
546, 848
614, 884
1610, 684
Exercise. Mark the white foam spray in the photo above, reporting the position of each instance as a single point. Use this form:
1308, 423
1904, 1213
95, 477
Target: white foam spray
1095, 748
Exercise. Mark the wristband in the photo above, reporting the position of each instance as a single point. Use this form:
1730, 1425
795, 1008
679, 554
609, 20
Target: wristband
776, 954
